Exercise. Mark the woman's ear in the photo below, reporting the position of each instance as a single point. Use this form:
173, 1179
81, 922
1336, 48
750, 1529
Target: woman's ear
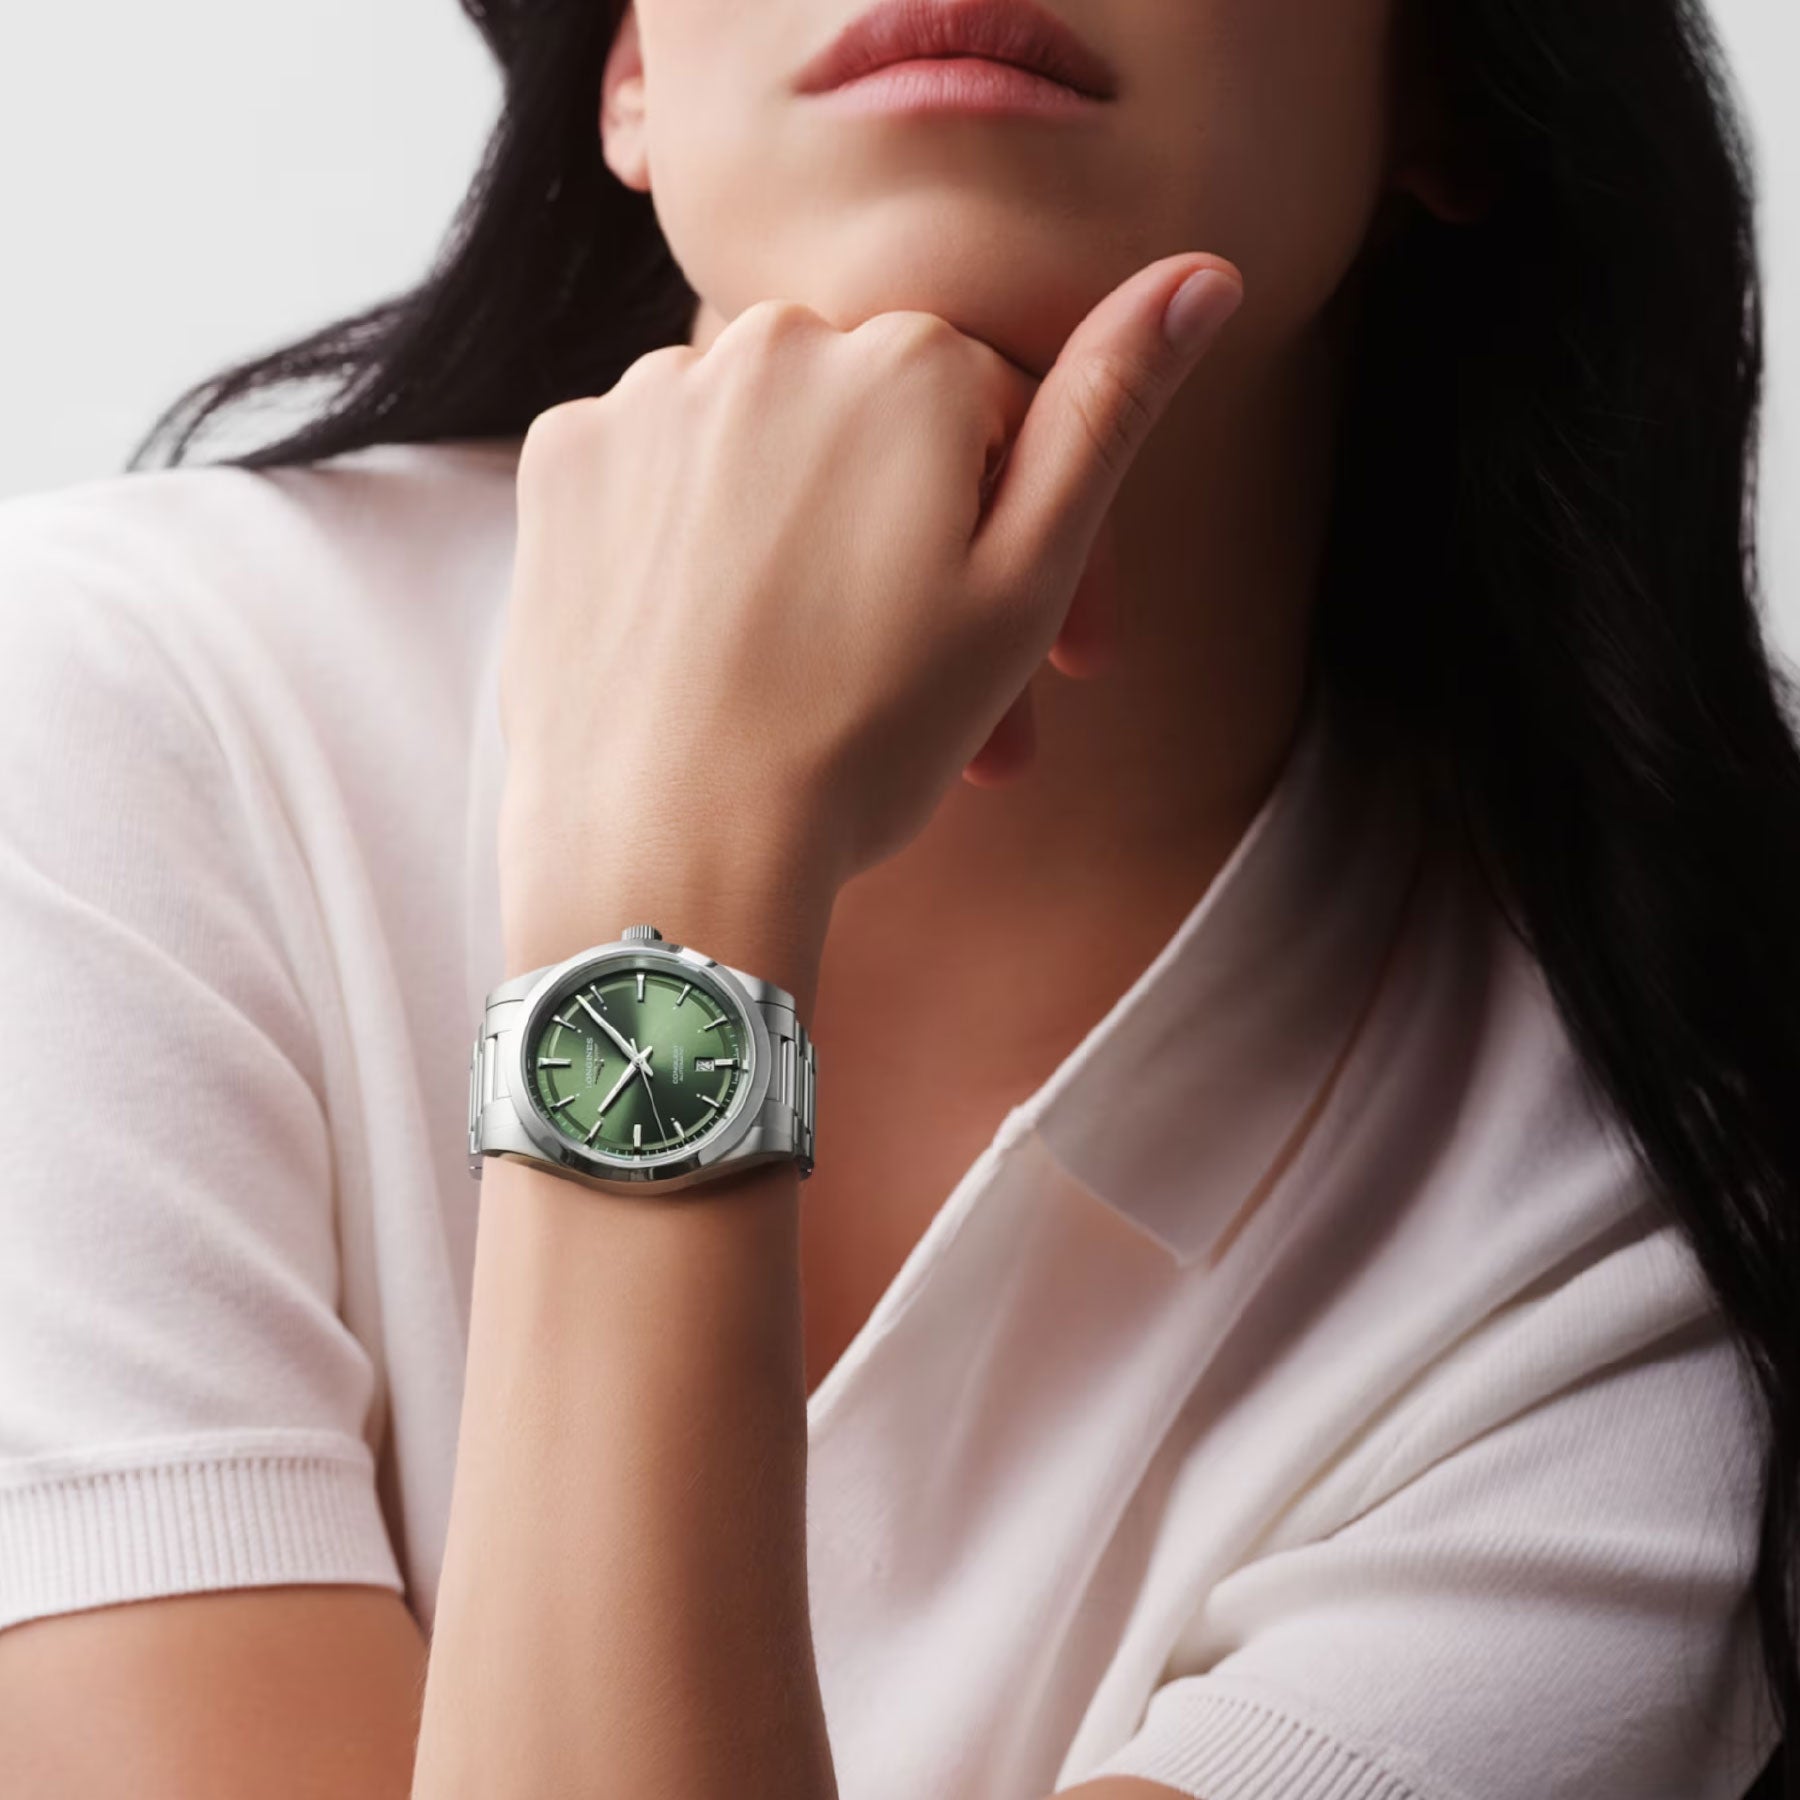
1447, 187
1435, 158
623, 140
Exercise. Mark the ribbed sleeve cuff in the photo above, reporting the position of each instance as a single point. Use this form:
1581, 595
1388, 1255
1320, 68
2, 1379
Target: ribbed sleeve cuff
1215, 1744
90, 1534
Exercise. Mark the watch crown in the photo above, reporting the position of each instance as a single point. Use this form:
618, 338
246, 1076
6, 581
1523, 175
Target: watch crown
639, 931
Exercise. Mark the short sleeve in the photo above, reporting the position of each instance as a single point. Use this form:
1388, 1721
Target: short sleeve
181, 1406
1556, 1607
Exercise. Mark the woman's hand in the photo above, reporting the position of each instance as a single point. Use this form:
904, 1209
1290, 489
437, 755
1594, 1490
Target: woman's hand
764, 601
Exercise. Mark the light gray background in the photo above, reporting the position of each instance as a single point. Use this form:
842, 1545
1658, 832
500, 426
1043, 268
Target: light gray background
191, 182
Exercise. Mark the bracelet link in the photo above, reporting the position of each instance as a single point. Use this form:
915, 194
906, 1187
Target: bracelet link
796, 1086
481, 1080
808, 1081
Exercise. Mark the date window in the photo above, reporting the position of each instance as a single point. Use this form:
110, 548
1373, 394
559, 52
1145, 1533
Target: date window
704, 1065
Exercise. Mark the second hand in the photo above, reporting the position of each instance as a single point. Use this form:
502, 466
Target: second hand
643, 1063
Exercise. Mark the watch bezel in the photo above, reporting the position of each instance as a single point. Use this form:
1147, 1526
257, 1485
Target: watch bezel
670, 1168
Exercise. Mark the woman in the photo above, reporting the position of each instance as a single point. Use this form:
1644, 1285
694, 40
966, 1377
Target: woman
1298, 1265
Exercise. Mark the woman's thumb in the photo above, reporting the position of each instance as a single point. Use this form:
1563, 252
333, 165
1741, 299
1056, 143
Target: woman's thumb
1093, 411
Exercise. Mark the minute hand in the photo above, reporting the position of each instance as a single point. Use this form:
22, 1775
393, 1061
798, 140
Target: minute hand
631, 1068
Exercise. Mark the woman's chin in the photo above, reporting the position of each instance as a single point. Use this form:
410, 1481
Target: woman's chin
1024, 320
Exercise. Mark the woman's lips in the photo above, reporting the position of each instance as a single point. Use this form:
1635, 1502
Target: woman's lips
966, 55
966, 84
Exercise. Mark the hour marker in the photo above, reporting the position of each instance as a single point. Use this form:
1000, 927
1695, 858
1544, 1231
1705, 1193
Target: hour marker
684, 993
554, 1062
567, 1100
591, 1013
637, 1135
640, 976
713, 1024
714, 1100
566, 1024
592, 1130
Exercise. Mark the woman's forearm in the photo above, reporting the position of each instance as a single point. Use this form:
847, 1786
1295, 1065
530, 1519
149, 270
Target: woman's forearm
623, 1603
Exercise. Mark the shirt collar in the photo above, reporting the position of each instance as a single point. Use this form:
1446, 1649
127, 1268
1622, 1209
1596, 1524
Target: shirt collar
1185, 1103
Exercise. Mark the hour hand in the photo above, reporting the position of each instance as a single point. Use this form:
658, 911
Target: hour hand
606, 1025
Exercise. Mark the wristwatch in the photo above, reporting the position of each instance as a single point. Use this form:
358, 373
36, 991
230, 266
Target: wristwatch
638, 1065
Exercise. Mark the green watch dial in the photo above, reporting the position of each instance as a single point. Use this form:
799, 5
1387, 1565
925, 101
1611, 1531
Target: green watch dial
637, 1062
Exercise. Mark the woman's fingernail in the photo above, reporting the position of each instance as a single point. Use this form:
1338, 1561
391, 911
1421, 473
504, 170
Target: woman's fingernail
1198, 308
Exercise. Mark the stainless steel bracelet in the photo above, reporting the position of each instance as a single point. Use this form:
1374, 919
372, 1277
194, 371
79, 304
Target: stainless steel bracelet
494, 1121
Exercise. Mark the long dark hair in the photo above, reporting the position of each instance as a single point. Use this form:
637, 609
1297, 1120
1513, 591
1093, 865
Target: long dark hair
1551, 416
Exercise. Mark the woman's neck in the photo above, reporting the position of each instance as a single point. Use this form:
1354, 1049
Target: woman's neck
1145, 775
1148, 772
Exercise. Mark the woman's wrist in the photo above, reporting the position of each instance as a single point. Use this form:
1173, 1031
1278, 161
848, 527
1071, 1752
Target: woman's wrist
759, 901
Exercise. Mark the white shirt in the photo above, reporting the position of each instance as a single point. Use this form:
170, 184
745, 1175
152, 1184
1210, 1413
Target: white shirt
1299, 1399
